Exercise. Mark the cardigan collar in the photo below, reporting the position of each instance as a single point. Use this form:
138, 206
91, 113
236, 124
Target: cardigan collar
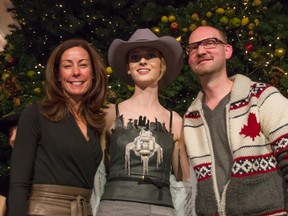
239, 92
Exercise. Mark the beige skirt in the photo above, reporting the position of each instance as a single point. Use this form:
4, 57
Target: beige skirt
48, 199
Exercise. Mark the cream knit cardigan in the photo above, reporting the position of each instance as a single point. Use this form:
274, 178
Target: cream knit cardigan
257, 130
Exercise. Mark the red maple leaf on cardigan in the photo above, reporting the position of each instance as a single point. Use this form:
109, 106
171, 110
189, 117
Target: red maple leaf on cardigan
252, 128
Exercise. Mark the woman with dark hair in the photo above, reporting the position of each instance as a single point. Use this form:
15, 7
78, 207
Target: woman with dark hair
57, 149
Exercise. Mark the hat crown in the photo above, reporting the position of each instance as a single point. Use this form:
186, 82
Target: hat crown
143, 34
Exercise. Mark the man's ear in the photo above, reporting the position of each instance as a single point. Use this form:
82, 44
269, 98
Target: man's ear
228, 51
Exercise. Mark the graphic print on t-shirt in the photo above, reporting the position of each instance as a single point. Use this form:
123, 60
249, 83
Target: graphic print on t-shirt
144, 146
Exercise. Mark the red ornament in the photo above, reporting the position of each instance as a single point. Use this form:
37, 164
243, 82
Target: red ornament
10, 59
174, 26
249, 47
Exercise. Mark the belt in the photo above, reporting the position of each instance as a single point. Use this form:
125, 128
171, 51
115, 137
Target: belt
46, 199
144, 180
141, 180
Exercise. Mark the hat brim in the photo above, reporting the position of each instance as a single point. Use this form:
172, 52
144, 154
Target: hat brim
168, 46
8, 122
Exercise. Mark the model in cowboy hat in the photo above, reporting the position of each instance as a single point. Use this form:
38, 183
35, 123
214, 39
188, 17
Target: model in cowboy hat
8, 126
142, 139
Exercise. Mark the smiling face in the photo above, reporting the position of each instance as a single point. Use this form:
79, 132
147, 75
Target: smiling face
75, 72
145, 65
208, 61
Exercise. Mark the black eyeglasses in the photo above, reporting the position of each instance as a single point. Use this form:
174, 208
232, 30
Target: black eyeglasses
208, 43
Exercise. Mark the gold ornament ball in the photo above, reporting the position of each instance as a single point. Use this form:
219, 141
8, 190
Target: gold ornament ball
16, 101
31, 73
245, 2
5, 75
172, 18
244, 21
195, 17
235, 22
220, 11
109, 70
203, 22
255, 54
130, 88
192, 27
251, 26
164, 19
209, 14
156, 29
256, 21
37, 90
224, 20
185, 29
280, 52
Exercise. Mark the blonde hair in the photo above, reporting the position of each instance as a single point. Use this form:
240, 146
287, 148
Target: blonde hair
163, 69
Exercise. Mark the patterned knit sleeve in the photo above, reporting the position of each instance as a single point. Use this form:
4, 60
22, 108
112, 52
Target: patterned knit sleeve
274, 123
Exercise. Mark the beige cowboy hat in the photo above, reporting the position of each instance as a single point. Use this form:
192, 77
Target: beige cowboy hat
168, 46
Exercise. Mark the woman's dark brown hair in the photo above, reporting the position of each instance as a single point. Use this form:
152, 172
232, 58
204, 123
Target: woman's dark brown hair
55, 104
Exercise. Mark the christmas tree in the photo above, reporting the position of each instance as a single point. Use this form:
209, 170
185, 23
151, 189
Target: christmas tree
255, 28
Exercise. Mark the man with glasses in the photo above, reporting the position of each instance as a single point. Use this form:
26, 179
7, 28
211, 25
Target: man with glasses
236, 135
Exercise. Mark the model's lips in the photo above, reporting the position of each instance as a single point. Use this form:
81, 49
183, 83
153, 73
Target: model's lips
143, 70
76, 82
